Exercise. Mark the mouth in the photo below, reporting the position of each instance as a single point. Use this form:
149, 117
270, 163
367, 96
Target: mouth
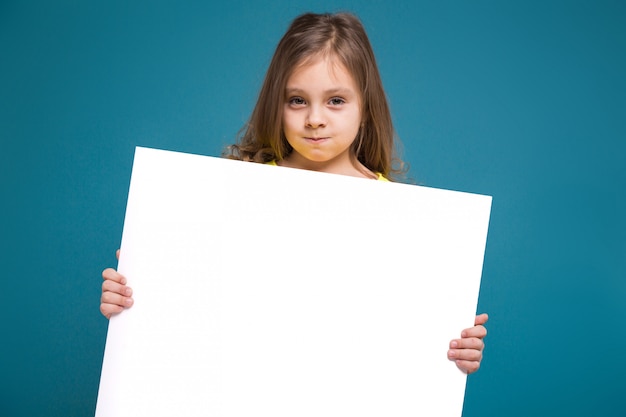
315, 139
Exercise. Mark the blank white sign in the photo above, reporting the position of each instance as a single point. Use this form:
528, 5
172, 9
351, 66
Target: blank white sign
269, 291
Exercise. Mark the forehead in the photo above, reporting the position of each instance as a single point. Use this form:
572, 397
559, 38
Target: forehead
319, 70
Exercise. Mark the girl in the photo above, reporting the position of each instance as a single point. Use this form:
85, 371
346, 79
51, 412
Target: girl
322, 107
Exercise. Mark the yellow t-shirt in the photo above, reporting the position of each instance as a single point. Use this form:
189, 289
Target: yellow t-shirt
379, 176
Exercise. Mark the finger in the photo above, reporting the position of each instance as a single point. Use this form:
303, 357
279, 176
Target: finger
469, 367
109, 297
476, 331
116, 299
468, 343
481, 319
465, 354
108, 310
112, 275
112, 286
117, 254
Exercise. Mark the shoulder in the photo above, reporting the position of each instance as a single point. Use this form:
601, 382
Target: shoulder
381, 177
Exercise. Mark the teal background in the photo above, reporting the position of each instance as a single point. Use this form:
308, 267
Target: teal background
524, 101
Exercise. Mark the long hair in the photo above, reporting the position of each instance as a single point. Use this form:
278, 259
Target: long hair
338, 36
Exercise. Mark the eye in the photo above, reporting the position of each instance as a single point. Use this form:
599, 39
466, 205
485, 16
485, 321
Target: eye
297, 101
336, 101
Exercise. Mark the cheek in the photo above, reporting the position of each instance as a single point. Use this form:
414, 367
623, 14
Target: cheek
356, 123
287, 128
287, 119
291, 123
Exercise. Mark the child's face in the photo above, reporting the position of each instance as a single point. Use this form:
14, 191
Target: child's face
321, 116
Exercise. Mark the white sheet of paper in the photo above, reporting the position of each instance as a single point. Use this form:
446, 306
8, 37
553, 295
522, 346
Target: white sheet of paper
270, 291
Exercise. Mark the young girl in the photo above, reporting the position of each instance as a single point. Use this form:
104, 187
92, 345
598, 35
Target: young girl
322, 107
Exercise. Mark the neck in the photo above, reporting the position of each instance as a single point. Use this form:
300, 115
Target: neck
352, 167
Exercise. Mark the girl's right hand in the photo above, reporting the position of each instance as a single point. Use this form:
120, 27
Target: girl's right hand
116, 296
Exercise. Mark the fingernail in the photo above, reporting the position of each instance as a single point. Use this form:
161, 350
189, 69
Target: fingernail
128, 292
454, 344
451, 353
123, 281
129, 302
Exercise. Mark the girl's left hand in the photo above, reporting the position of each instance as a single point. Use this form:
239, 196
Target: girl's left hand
467, 352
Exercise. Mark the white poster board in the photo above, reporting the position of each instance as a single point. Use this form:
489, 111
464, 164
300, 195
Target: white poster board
269, 291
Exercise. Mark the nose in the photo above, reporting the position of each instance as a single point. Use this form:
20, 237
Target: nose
315, 117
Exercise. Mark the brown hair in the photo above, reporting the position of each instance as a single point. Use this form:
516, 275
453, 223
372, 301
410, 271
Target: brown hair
310, 35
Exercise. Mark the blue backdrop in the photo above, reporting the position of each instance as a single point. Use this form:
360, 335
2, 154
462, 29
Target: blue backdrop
524, 101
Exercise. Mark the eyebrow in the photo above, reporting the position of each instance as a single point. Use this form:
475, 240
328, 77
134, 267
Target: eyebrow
332, 91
